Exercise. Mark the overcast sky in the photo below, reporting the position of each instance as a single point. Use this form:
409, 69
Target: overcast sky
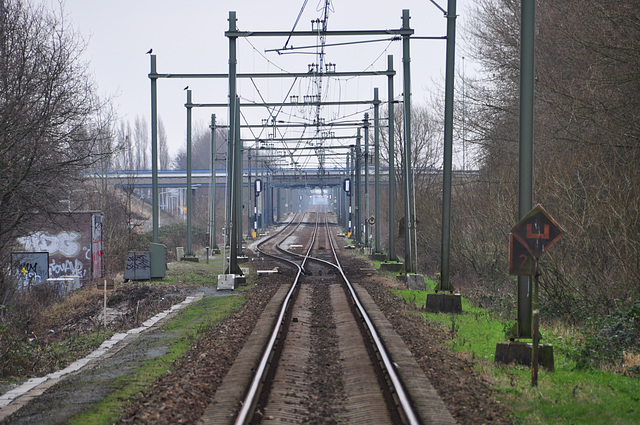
188, 37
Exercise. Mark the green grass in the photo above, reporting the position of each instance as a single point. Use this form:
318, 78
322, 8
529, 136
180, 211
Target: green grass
192, 273
569, 396
566, 396
191, 323
77, 346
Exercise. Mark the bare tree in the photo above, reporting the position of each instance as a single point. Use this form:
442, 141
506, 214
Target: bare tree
426, 155
48, 132
426, 152
201, 149
123, 155
164, 160
133, 146
586, 134
50, 126
142, 143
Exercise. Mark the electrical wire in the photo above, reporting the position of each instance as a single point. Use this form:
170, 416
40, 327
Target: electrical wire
305, 110
292, 50
296, 23
264, 57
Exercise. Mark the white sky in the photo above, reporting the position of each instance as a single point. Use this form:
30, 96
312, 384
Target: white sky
188, 37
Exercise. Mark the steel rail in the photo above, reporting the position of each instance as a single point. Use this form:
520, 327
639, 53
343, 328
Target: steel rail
251, 397
313, 241
403, 398
405, 407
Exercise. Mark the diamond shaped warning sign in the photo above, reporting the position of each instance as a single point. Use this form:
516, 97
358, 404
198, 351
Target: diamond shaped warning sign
537, 231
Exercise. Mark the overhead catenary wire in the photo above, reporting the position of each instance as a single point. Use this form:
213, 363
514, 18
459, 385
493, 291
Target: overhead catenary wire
295, 24
271, 115
338, 112
293, 50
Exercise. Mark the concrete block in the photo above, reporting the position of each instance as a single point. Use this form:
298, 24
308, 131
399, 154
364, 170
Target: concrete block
415, 282
520, 353
391, 267
119, 336
37, 381
64, 285
226, 282
444, 303
377, 257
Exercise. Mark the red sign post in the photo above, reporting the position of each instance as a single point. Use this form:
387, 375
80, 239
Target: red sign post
529, 240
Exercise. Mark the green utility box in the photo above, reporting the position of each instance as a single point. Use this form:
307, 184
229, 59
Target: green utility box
158, 253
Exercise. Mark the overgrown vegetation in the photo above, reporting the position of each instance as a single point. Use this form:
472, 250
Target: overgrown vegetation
612, 340
572, 394
52, 122
174, 235
37, 356
45, 332
586, 152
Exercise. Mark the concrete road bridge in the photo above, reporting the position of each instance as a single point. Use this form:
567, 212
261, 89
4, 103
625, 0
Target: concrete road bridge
305, 178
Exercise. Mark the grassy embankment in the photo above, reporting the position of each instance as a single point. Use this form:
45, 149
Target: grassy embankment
570, 395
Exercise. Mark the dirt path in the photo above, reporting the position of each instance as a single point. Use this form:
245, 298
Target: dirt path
57, 400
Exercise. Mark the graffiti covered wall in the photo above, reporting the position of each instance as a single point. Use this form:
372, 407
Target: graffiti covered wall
74, 244
30, 268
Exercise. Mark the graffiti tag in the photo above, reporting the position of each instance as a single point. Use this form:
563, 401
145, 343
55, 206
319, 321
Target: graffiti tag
63, 243
66, 268
138, 262
29, 268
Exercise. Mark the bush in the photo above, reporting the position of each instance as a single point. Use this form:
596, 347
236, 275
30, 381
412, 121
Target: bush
607, 338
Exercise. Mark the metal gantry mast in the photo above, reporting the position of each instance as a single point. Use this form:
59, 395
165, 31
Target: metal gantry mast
318, 70
234, 157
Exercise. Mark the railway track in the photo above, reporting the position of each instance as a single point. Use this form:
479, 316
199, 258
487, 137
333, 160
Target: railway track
320, 369
324, 361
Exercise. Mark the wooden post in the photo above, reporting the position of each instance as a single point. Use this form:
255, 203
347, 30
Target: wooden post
535, 330
105, 305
